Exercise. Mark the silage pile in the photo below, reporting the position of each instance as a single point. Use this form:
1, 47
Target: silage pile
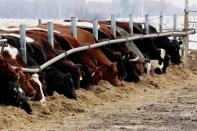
58, 106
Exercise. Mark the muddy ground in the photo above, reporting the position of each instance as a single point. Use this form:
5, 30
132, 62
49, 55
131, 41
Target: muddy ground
166, 102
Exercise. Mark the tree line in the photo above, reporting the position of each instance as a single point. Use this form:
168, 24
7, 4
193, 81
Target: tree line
48, 9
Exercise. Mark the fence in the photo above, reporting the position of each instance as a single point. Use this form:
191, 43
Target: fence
192, 22
173, 33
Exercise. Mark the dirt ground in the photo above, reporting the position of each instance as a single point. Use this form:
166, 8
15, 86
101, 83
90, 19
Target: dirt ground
157, 103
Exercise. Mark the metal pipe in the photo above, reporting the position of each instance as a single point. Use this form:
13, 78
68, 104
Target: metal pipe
194, 11
3, 40
193, 22
193, 41
71, 51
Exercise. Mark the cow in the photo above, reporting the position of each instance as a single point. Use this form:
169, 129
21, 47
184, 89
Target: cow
63, 82
10, 90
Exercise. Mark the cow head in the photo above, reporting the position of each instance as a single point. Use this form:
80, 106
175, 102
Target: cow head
59, 82
65, 86
120, 65
132, 73
25, 83
174, 51
110, 74
66, 66
96, 75
76, 75
133, 67
16, 97
89, 76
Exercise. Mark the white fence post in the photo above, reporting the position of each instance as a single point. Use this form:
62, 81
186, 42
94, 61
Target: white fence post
147, 24
23, 43
131, 24
113, 24
161, 23
95, 28
175, 22
186, 26
39, 21
50, 34
74, 27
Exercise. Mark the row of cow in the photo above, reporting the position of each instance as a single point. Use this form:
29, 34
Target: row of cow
113, 63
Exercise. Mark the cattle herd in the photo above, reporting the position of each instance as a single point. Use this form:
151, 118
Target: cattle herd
116, 62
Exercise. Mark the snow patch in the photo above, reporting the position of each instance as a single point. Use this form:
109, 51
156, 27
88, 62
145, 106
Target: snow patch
79, 24
28, 39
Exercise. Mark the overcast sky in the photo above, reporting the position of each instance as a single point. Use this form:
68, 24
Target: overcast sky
179, 3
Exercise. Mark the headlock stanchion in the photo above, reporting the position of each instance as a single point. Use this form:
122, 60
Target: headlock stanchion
113, 25
175, 22
74, 27
147, 24
161, 23
131, 24
23, 42
74, 50
50, 34
95, 28
39, 21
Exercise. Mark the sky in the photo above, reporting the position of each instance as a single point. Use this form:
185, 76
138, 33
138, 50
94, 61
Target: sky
179, 3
